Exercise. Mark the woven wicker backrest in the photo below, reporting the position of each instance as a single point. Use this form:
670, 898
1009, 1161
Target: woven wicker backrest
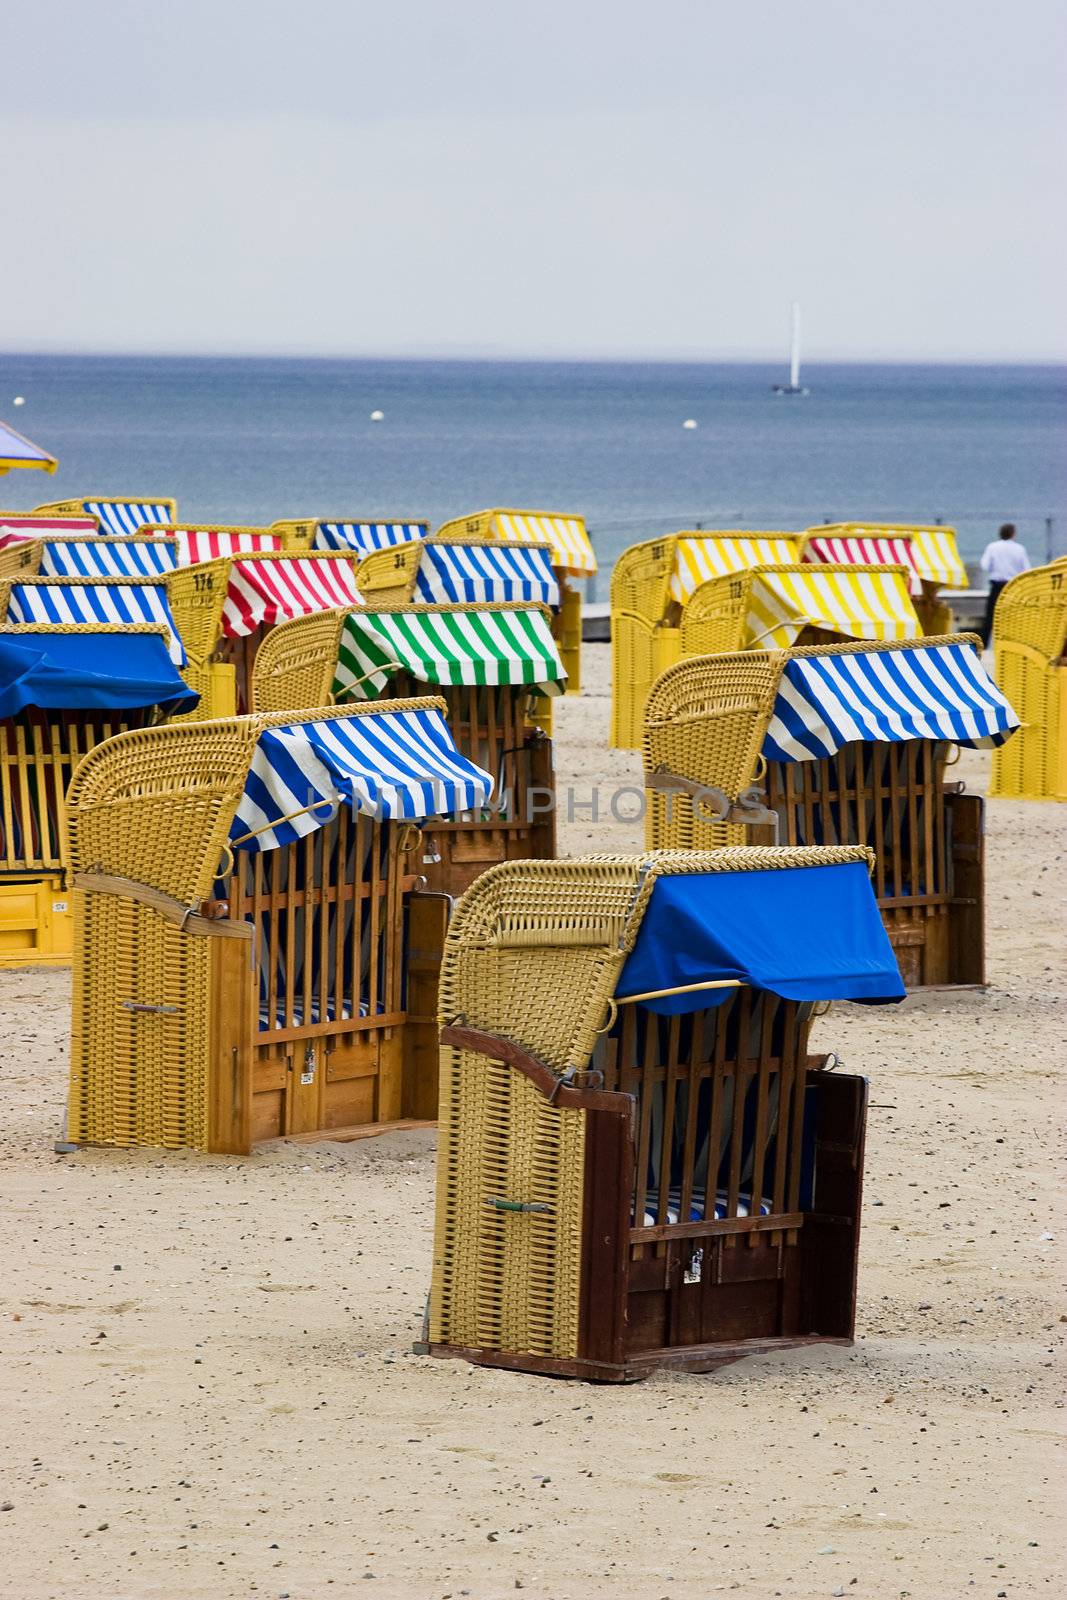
1032, 610
640, 580
156, 805
296, 663
388, 576
713, 621
534, 951
297, 533
23, 556
197, 595
706, 718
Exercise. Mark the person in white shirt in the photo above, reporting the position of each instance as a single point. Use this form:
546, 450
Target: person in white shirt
1002, 560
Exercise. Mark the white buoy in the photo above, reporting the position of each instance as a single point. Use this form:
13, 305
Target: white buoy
690, 422
19, 400
377, 416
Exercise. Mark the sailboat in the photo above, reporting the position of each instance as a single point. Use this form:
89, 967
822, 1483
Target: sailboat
794, 386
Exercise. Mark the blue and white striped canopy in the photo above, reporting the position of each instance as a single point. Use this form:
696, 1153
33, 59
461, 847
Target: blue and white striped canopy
126, 516
366, 536
933, 692
486, 574
106, 558
97, 602
392, 764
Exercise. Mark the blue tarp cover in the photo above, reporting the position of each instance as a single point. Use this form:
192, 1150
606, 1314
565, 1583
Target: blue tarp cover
88, 672
805, 933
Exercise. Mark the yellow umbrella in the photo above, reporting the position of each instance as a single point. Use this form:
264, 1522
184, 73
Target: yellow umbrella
15, 451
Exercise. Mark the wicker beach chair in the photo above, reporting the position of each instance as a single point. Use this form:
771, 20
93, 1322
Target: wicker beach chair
650, 584
226, 607
1030, 656
846, 744
119, 514
494, 668
359, 535
208, 541
639, 1163
63, 689
77, 555
451, 570
929, 549
72, 600
573, 557
253, 957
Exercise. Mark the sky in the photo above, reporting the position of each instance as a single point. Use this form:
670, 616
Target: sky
571, 178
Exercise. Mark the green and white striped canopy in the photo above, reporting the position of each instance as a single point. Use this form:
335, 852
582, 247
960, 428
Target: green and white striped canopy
450, 645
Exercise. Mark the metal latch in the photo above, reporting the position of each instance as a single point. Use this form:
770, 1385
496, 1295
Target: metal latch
308, 1074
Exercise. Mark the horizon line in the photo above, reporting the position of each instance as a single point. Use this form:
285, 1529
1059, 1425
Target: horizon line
488, 359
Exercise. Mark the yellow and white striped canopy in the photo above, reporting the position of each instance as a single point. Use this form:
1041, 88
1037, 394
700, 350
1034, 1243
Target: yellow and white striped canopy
860, 603
571, 547
700, 556
935, 552
938, 558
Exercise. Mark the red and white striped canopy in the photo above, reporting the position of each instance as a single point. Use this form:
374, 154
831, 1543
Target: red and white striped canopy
206, 544
865, 550
14, 527
264, 592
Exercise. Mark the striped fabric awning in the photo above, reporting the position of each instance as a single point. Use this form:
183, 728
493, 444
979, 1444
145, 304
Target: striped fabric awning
365, 537
486, 574
938, 558
447, 647
866, 603
868, 549
107, 558
102, 601
572, 550
207, 544
126, 516
938, 691
13, 525
389, 764
264, 592
699, 557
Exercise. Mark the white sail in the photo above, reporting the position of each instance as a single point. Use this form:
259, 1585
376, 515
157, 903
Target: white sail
794, 351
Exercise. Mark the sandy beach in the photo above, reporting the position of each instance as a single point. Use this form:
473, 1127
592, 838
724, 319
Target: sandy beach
210, 1391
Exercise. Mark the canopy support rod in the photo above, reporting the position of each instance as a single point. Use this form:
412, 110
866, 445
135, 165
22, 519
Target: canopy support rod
685, 988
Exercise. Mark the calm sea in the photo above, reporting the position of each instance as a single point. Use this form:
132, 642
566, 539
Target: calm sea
250, 440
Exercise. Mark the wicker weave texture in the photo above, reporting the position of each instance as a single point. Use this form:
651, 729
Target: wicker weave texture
138, 1077
23, 556
296, 663
705, 721
388, 576
1030, 656
197, 595
505, 1280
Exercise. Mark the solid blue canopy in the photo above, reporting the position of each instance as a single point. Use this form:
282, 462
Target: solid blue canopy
90, 671
805, 933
